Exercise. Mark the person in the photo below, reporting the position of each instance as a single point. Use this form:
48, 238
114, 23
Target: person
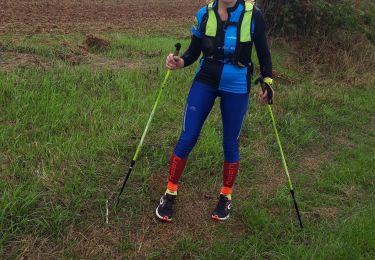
224, 31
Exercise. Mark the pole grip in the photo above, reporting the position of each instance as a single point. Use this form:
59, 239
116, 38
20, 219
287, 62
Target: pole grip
265, 86
178, 48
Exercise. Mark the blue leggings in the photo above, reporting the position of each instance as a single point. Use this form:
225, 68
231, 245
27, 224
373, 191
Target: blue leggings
199, 104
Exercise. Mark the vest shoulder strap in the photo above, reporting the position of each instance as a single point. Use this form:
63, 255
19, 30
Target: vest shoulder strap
245, 34
211, 26
249, 6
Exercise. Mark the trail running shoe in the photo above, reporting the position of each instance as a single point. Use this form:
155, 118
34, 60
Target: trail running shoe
223, 208
165, 209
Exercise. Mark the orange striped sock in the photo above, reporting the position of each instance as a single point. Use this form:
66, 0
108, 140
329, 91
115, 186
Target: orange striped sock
171, 188
227, 192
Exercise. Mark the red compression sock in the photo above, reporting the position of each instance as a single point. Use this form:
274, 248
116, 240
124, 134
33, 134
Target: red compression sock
229, 176
176, 167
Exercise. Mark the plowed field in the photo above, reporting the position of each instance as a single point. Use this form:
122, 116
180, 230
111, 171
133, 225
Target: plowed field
93, 15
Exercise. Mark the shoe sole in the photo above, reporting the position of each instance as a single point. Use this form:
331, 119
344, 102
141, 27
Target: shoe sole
165, 219
216, 217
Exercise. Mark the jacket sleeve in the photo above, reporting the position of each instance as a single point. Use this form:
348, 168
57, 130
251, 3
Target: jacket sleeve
193, 52
260, 41
195, 47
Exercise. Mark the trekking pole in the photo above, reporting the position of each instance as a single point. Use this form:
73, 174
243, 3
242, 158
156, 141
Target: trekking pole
269, 108
176, 52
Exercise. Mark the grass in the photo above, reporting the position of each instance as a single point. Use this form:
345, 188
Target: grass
68, 133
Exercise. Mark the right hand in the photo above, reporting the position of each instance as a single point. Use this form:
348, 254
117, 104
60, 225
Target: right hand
264, 96
174, 62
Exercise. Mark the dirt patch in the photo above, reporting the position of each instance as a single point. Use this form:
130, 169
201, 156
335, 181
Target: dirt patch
325, 212
135, 237
96, 241
192, 219
350, 191
270, 171
96, 43
12, 60
158, 181
313, 161
100, 62
74, 55
77, 55
87, 16
272, 179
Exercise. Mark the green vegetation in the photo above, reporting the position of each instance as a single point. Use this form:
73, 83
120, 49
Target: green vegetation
69, 130
314, 17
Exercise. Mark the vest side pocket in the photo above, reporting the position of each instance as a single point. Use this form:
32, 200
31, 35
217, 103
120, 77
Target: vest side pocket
242, 56
208, 46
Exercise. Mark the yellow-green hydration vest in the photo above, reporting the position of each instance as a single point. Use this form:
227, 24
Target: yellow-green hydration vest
242, 55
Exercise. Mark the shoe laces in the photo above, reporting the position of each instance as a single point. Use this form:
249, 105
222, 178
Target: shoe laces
169, 201
222, 202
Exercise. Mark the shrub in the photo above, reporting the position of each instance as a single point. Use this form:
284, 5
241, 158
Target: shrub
316, 17
336, 37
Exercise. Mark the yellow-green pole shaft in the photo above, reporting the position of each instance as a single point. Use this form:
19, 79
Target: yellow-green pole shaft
143, 136
151, 116
269, 108
135, 157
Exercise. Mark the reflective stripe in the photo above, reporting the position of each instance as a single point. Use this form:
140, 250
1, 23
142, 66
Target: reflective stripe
246, 23
211, 26
239, 132
183, 128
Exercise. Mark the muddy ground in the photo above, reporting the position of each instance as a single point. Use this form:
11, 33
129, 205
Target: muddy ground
64, 16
